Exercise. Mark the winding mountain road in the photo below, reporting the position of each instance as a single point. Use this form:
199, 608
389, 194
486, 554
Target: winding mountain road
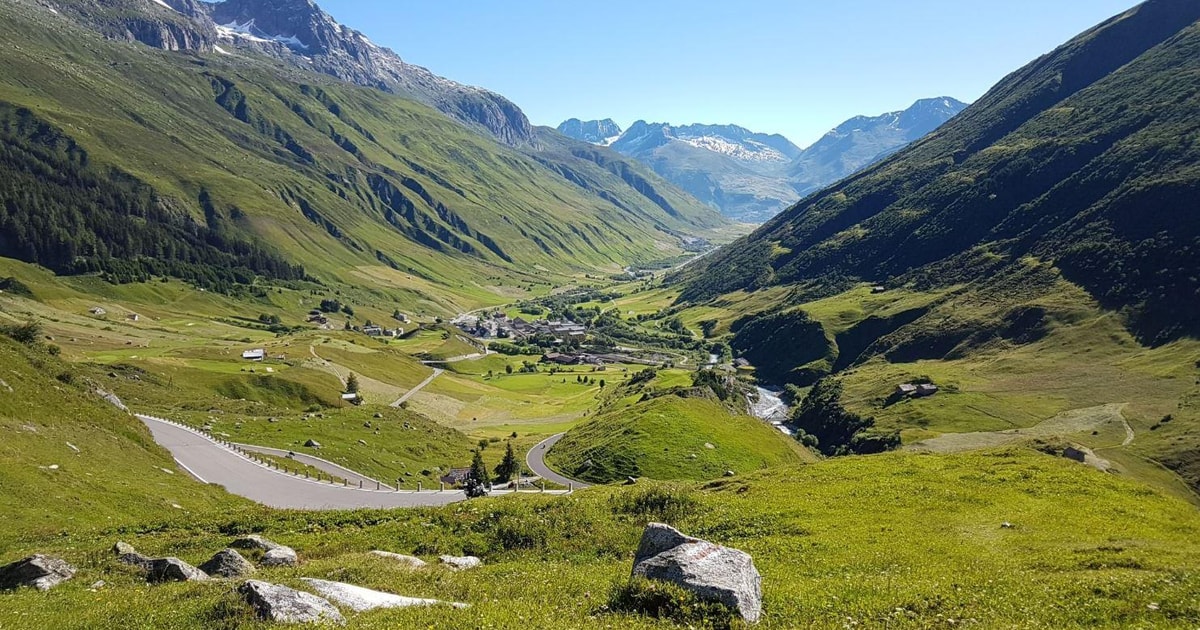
536, 461
323, 465
215, 463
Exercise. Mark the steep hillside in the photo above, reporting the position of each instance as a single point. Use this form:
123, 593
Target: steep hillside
300, 34
1082, 159
671, 438
86, 467
358, 185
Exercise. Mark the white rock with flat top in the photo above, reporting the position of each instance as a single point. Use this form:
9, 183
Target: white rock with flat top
280, 557
459, 563
274, 602
710, 571
361, 599
411, 561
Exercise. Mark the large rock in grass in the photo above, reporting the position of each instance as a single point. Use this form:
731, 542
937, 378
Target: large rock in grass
411, 561
276, 555
280, 557
174, 570
281, 604
126, 554
461, 563
40, 572
361, 599
712, 572
228, 564
253, 541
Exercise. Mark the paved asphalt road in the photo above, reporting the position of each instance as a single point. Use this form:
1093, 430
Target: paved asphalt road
536, 460
213, 463
318, 463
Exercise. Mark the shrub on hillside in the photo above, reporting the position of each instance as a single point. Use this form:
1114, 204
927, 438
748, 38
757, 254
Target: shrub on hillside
662, 600
663, 504
28, 333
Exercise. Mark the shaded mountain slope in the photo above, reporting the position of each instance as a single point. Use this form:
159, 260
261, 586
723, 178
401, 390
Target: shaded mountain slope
1085, 158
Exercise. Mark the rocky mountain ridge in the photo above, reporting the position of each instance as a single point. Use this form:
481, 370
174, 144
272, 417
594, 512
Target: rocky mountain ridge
301, 34
602, 132
751, 176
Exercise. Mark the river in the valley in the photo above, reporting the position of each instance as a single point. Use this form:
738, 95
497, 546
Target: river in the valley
771, 408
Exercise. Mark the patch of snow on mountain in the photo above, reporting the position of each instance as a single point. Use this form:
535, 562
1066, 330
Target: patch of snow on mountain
221, 50
250, 32
749, 152
163, 3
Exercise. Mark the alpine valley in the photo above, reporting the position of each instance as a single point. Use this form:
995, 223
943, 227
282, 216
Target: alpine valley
296, 332
751, 177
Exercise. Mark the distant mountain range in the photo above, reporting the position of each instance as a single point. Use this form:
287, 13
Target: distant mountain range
752, 176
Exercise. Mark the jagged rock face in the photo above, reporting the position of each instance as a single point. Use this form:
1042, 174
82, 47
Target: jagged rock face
299, 32
593, 131
181, 25
166, 35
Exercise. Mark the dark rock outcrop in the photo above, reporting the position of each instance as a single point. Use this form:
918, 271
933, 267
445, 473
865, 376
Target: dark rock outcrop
126, 554
174, 570
300, 33
40, 572
182, 26
228, 564
276, 555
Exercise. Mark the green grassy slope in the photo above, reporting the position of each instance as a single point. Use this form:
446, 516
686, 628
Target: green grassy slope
1079, 159
359, 186
73, 463
894, 541
668, 438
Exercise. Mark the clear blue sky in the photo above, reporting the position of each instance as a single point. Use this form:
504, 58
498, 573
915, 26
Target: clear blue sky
796, 67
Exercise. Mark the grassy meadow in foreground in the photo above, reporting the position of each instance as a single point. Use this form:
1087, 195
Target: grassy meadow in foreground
892, 541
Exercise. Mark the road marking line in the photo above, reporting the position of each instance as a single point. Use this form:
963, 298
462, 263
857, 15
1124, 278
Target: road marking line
190, 471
